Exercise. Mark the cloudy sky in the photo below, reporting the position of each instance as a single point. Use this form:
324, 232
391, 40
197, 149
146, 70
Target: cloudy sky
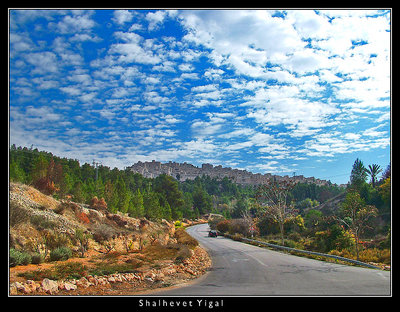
278, 91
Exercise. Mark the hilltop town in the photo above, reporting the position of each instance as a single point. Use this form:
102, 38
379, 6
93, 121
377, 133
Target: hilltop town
185, 171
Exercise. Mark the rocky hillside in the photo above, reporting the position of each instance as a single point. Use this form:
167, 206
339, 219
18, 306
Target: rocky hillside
104, 248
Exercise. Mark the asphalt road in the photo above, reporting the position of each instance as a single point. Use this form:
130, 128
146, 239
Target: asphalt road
240, 269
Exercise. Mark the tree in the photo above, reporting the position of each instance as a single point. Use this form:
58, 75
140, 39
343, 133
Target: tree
46, 176
271, 202
373, 170
151, 205
16, 173
201, 200
384, 191
83, 240
136, 209
358, 174
356, 215
121, 196
166, 185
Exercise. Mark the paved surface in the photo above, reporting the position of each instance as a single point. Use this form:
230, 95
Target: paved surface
240, 269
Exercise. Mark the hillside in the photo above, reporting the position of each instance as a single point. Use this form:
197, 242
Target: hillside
331, 206
120, 251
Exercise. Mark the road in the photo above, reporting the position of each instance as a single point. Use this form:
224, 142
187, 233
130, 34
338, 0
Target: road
240, 269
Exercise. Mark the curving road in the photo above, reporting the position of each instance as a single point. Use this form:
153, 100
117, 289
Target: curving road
240, 269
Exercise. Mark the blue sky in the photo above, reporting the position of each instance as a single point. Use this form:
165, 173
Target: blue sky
278, 91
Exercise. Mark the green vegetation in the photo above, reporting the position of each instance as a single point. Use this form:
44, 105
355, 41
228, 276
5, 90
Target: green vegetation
358, 227
359, 223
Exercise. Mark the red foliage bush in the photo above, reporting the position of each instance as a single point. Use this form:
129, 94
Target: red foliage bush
98, 204
83, 217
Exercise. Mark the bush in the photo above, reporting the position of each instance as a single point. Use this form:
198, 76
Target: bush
239, 226
367, 255
60, 254
98, 204
17, 214
178, 224
103, 232
237, 237
19, 257
42, 223
334, 237
223, 226
37, 258
375, 255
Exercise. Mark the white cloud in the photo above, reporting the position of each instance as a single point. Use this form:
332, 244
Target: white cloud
74, 24
71, 90
122, 16
44, 62
155, 19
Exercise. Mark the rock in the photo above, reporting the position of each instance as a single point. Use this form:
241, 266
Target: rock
13, 290
18, 286
49, 286
31, 286
111, 279
83, 282
92, 280
69, 286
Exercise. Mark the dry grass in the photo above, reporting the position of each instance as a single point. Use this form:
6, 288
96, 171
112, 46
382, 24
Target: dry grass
184, 238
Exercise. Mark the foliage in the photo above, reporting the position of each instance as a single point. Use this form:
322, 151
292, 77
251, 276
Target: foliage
178, 224
358, 174
334, 237
373, 170
357, 214
17, 214
223, 226
98, 204
272, 202
60, 254
384, 191
61, 271
19, 257
37, 258
83, 240
368, 255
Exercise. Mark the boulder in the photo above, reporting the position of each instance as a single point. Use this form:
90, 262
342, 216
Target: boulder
49, 286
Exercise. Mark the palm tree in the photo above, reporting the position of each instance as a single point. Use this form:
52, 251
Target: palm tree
373, 171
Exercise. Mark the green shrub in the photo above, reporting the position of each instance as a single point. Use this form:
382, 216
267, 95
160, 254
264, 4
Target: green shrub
60, 254
42, 223
19, 258
37, 258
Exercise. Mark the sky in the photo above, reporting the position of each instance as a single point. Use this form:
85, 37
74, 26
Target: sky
286, 92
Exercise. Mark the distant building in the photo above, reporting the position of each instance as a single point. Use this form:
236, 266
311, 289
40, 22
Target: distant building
185, 171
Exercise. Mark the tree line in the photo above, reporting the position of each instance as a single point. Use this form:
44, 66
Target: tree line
162, 197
